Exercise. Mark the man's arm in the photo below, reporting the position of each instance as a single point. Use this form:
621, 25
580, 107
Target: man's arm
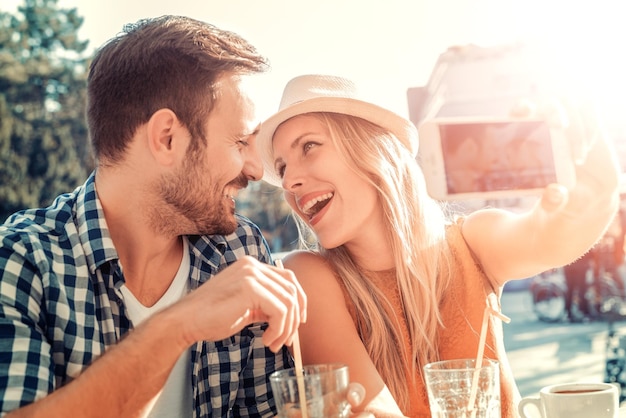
124, 380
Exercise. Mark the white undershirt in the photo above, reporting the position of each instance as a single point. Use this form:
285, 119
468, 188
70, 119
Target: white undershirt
176, 398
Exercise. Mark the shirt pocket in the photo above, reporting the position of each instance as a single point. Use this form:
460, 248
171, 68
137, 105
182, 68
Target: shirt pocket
226, 361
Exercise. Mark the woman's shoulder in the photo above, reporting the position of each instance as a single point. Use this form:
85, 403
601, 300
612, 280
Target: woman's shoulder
467, 270
310, 268
304, 259
454, 234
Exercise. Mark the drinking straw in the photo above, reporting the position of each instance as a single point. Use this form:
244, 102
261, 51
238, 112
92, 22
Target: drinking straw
299, 368
481, 349
299, 374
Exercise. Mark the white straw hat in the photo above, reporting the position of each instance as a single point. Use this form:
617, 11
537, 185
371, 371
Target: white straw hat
323, 93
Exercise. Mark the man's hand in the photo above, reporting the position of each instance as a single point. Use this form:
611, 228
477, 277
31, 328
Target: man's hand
246, 292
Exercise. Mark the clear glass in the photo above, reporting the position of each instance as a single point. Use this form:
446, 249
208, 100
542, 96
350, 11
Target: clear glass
449, 385
326, 387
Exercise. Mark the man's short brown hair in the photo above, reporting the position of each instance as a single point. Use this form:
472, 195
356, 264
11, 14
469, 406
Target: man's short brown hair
168, 62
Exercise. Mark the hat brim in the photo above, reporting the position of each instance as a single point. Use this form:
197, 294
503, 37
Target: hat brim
402, 128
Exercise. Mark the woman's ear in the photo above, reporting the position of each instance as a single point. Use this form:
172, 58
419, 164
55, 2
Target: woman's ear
167, 138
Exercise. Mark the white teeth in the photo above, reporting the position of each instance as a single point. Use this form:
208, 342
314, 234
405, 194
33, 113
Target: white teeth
312, 202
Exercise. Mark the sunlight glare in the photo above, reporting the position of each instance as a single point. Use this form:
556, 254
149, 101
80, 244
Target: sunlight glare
581, 42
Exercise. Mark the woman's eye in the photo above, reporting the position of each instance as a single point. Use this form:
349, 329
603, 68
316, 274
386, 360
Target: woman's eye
307, 146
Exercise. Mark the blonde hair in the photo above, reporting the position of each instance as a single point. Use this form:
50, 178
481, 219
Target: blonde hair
416, 233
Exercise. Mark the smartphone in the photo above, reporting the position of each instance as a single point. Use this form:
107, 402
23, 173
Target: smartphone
478, 158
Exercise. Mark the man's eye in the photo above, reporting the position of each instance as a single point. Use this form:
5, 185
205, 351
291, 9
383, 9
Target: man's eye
243, 143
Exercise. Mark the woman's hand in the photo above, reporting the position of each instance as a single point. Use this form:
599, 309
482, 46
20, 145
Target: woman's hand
355, 395
593, 156
567, 221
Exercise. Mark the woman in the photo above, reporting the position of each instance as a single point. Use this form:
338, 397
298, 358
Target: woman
394, 282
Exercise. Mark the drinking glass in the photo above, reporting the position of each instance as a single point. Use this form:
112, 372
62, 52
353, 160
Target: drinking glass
449, 385
325, 387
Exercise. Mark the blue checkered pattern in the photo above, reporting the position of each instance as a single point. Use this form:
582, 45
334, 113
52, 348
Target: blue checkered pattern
61, 307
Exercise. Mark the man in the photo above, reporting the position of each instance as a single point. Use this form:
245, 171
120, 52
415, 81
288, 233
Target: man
576, 302
142, 290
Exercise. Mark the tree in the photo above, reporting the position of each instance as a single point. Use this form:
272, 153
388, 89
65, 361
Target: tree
44, 147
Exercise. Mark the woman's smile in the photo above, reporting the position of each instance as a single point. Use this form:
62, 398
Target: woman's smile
323, 187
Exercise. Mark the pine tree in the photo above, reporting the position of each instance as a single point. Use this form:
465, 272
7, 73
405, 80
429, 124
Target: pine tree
44, 147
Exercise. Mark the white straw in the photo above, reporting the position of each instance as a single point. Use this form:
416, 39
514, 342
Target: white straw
299, 375
479, 361
299, 368
481, 350
499, 314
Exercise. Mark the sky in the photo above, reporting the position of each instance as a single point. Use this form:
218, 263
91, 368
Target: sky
386, 46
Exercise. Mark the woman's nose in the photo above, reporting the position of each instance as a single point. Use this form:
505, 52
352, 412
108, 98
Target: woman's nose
291, 180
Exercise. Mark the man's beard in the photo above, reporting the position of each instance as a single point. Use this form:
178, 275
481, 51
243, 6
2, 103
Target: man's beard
194, 205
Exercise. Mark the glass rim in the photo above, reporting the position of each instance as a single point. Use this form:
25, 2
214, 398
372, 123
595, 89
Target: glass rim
320, 370
471, 362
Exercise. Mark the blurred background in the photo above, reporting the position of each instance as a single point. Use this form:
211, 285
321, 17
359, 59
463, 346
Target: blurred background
420, 58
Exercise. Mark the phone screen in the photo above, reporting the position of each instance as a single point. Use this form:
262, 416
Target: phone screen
496, 156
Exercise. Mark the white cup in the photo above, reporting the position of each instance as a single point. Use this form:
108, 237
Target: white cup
573, 400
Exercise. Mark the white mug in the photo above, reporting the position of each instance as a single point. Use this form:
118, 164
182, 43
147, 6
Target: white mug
573, 400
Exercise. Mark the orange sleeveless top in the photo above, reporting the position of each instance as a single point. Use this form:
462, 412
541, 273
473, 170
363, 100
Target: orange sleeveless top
462, 312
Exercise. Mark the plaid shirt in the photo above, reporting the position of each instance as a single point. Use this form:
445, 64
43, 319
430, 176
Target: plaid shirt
61, 307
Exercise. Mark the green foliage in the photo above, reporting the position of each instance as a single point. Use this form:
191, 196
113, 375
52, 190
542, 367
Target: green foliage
44, 148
